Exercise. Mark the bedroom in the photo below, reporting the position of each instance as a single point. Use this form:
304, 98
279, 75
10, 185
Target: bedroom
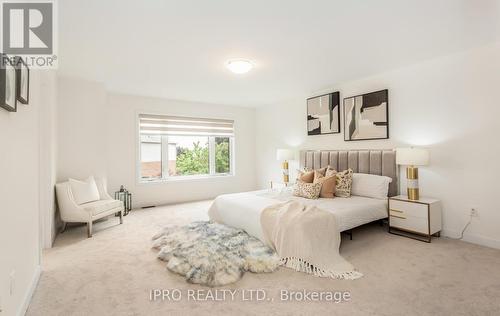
198, 113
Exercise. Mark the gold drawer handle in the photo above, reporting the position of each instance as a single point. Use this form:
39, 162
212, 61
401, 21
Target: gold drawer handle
398, 211
398, 216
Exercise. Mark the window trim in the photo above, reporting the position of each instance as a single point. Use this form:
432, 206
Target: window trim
164, 154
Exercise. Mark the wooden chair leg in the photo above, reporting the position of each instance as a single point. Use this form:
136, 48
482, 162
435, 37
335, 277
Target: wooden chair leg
121, 217
89, 229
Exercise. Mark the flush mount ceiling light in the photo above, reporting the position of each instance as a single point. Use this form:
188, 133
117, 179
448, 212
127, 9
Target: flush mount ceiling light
239, 66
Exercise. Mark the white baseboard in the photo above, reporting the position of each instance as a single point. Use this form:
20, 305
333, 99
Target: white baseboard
29, 294
474, 239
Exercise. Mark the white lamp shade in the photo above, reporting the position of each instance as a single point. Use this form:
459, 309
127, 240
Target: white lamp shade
284, 154
412, 156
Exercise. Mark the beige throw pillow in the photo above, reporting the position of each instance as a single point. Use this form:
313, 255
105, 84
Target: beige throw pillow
328, 185
321, 171
317, 175
307, 190
330, 172
305, 176
344, 183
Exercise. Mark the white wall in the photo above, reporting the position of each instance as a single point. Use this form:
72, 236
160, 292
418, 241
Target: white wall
48, 157
449, 105
21, 198
98, 135
81, 129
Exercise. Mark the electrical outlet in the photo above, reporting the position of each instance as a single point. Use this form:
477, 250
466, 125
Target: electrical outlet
474, 212
12, 278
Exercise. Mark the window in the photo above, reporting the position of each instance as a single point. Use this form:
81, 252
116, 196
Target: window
181, 147
222, 156
190, 155
151, 157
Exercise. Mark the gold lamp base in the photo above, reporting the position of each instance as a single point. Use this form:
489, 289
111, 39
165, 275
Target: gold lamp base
286, 178
413, 194
412, 187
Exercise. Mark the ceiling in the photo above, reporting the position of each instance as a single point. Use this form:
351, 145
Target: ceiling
177, 49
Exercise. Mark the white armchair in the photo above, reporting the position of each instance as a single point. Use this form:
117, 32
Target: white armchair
71, 212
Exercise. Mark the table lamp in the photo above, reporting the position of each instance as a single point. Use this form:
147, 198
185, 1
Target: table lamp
412, 157
285, 155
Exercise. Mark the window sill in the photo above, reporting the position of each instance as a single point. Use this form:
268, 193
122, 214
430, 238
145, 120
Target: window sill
185, 179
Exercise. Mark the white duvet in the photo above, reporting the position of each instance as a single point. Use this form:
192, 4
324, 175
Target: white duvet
242, 210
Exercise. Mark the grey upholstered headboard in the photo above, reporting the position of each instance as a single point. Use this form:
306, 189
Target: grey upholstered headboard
379, 162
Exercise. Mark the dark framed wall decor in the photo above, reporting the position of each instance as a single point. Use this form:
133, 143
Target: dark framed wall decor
23, 80
323, 114
366, 116
8, 82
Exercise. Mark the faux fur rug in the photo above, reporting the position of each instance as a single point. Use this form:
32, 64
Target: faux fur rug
213, 254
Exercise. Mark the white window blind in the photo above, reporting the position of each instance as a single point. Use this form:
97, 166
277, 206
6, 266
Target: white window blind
151, 124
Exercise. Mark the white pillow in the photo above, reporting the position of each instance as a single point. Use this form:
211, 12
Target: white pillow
84, 191
370, 185
101, 187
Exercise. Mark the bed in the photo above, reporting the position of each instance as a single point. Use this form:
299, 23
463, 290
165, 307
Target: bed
242, 210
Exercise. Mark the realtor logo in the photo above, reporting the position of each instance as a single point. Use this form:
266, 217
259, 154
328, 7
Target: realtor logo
27, 28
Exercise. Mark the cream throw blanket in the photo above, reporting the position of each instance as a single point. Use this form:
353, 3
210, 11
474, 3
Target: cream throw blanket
307, 239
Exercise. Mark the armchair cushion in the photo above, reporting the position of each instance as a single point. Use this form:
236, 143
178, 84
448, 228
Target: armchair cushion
101, 187
84, 191
101, 206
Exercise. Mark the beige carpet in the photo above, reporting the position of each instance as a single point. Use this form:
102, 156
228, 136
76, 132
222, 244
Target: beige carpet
114, 272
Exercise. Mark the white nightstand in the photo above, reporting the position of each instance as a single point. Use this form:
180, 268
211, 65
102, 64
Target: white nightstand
419, 219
